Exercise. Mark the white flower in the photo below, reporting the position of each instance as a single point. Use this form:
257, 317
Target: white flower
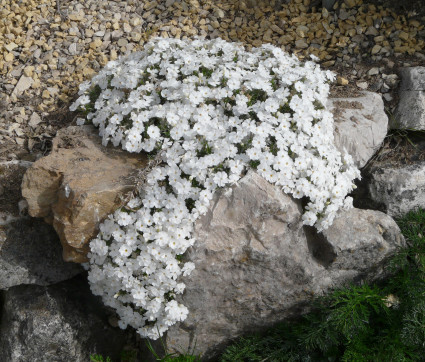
210, 117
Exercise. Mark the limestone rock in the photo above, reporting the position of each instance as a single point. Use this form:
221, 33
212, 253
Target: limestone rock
410, 112
23, 84
78, 185
398, 189
257, 265
413, 79
30, 253
63, 322
360, 125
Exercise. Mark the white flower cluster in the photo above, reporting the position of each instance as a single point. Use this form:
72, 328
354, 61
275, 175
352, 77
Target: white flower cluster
212, 109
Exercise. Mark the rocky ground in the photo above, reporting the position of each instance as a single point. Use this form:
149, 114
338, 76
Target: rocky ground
48, 47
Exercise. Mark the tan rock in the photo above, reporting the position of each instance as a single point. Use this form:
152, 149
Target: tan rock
9, 57
342, 81
78, 185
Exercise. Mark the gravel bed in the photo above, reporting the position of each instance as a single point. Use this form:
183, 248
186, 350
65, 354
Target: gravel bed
48, 47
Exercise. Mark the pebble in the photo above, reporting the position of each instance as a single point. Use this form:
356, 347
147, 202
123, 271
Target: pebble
362, 85
373, 71
342, 81
34, 120
23, 84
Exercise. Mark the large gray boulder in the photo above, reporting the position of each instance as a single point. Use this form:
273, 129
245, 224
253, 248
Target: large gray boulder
410, 113
63, 322
30, 253
256, 264
360, 125
398, 189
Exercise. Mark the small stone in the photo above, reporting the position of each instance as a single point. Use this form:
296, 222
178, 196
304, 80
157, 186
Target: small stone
219, 13
20, 141
343, 15
376, 49
73, 49
276, 29
96, 43
267, 36
122, 42
403, 35
34, 120
46, 94
329, 63
28, 71
127, 28
342, 81
301, 44
117, 34
135, 36
388, 97
135, 21
373, 71
9, 47
23, 84
362, 85
9, 57
302, 31
372, 31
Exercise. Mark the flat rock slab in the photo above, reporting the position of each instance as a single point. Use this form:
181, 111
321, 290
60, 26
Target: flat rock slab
360, 125
63, 322
398, 189
256, 264
410, 112
78, 185
30, 253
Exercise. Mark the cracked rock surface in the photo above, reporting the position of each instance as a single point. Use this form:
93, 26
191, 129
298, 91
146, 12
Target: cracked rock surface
257, 264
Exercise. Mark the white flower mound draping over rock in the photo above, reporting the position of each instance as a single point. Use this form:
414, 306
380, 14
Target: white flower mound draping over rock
210, 109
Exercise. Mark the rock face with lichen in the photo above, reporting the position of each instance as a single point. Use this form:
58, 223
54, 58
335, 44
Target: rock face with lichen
257, 264
62, 322
360, 125
410, 113
78, 185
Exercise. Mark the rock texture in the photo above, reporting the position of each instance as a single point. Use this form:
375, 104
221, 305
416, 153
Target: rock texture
398, 189
30, 253
78, 185
64, 322
410, 113
257, 264
360, 125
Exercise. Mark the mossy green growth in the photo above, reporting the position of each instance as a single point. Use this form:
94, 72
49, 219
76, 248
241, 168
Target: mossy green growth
381, 322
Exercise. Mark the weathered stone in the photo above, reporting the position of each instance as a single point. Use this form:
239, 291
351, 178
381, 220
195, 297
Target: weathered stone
30, 253
34, 120
410, 112
257, 265
78, 185
23, 84
413, 79
360, 125
398, 189
63, 322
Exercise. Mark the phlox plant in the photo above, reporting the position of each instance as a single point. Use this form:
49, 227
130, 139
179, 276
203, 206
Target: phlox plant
210, 109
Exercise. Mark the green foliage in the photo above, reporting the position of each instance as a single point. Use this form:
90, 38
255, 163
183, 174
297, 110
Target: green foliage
99, 358
172, 357
382, 322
